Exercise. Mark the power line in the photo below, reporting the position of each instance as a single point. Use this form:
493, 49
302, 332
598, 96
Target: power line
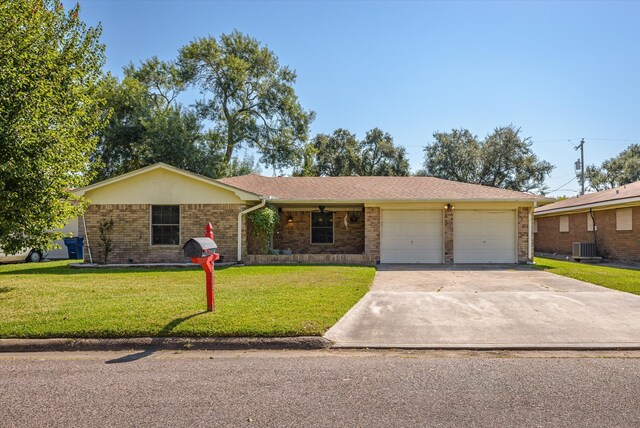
560, 188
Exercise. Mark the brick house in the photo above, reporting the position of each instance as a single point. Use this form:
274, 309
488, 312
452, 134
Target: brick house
355, 220
610, 218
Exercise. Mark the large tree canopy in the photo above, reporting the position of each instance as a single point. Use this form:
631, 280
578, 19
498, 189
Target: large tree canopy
149, 125
50, 67
249, 97
341, 153
617, 171
503, 159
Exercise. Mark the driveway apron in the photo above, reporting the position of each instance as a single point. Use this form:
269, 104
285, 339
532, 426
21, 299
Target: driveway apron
493, 307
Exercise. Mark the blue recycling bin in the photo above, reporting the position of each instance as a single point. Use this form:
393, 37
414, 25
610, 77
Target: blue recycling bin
75, 247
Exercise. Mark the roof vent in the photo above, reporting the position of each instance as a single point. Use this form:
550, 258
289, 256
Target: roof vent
617, 191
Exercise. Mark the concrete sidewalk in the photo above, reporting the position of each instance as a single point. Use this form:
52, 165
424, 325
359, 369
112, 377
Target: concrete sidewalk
481, 307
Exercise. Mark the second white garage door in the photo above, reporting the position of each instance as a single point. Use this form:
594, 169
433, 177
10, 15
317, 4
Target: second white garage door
484, 236
411, 236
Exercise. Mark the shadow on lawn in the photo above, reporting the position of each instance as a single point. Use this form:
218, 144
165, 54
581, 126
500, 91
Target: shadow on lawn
65, 270
167, 329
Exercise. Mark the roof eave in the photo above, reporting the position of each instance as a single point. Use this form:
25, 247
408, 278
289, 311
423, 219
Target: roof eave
584, 207
404, 200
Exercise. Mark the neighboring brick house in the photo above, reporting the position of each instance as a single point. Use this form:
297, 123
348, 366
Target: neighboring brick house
363, 220
610, 218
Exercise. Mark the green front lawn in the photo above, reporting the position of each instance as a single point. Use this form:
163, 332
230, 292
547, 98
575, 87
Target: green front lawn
53, 300
616, 278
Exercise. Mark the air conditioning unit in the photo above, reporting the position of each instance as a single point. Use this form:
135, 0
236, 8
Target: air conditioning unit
584, 250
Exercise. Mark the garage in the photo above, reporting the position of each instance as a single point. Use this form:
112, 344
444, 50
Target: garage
411, 236
484, 236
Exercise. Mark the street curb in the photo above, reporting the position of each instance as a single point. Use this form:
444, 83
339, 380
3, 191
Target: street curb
497, 347
164, 343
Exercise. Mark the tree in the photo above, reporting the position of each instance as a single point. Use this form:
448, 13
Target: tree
335, 154
249, 97
341, 153
503, 159
379, 156
149, 125
617, 171
50, 113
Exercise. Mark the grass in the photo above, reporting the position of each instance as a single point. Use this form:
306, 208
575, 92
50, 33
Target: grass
52, 300
611, 277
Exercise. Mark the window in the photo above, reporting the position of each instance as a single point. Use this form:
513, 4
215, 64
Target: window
624, 219
589, 223
535, 226
321, 228
165, 225
564, 223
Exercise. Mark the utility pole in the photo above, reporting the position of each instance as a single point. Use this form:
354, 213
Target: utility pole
581, 161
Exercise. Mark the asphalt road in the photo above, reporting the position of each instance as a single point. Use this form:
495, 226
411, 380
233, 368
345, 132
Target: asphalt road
321, 388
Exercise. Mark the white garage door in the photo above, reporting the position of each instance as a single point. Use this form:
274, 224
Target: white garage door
484, 236
411, 236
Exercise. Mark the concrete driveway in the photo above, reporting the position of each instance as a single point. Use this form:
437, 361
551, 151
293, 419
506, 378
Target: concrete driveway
487, 307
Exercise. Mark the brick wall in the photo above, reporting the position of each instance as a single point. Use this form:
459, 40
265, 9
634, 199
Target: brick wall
296, 235
372, 231
523, 234
131, 234
448, 236
621, 245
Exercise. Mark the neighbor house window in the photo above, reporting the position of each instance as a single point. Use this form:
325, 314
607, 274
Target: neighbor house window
321, 228
624, 219
589, 223
165, 225
564, 223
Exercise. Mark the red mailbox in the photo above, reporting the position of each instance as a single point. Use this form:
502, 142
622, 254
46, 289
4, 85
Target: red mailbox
202, 252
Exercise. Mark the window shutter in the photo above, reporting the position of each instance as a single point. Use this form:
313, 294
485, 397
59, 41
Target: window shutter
624, 219
564, 223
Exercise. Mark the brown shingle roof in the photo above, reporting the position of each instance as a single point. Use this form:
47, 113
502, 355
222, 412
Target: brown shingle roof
616, 195
371, 188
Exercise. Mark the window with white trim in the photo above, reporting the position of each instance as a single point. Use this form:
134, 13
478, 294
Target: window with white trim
624, 219
321, 228
535, 226
165, 225
564, 223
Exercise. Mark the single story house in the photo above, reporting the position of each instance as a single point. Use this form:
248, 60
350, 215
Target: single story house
610, 218
355, 220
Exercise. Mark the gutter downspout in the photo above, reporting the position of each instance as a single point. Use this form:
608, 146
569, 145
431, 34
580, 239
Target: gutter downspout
240, 214
531, 220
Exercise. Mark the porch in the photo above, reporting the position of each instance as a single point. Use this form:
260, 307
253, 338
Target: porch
312, 234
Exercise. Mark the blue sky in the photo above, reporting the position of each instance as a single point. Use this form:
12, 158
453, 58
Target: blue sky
559, 70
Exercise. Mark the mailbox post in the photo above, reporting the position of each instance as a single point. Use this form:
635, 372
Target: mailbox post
202, 252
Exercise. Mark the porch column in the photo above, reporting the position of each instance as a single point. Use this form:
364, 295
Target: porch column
448, 235
372, 231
